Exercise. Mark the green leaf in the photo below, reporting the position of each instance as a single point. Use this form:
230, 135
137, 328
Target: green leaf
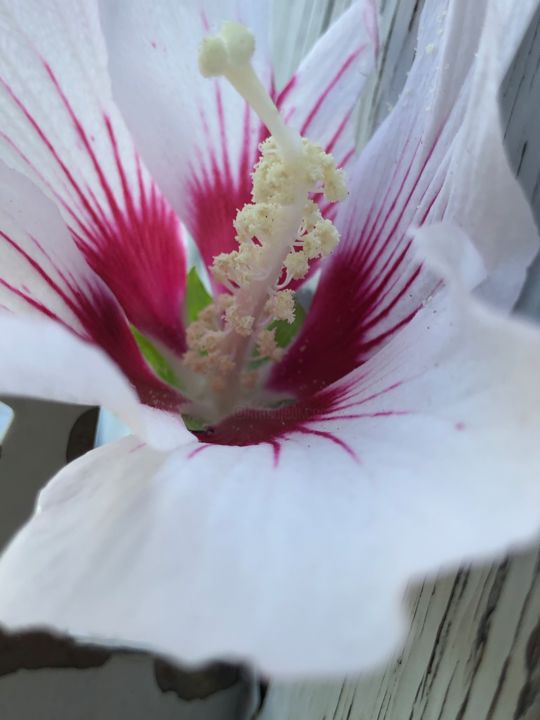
195, 424
154, 358
197, 296
285, 333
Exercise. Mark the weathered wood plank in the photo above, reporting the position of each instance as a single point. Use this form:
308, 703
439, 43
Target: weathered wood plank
472, 655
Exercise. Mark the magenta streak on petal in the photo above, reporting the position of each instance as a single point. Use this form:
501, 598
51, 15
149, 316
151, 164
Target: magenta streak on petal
223, 133
197, 451
407, 277
362, 298
328, 210
136, 250
371, 320
372, 220
329, 436
363, 416
140, 257
215, 194
113, 335
311, 416
204, 21
372, 246
328, 89
274, 444
400, 248
103, 324
273, 427
385, 288
336, 136
281, 97
31, 301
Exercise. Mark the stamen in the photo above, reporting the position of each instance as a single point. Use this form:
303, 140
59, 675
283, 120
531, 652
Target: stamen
278, 233
280, 306
267, 345
229, 54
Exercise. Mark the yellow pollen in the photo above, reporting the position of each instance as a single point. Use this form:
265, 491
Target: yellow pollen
254, 220
278, 233
267, 346
235, 320
297, 264
249, 379
280, 306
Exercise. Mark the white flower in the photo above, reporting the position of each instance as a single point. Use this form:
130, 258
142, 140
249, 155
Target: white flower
282, 535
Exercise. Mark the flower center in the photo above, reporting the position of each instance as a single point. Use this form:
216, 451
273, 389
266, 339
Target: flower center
278, 234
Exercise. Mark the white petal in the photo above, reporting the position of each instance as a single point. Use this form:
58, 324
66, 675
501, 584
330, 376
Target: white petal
41, 270
483, 196
446, 417
321, 95
6, 418
425, 458
39, 358
61, 128
438, 156
198, 136
515, 21
42, 273
168, 553
109, 428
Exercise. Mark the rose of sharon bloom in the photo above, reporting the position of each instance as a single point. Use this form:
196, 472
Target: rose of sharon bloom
394, 435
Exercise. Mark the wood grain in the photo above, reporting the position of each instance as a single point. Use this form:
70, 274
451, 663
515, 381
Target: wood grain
472, 654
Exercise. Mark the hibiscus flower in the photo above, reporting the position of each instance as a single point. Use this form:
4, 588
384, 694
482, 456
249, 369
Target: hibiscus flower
285, 480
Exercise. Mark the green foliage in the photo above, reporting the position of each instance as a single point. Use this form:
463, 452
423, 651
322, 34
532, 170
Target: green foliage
195, 424
154, 358
197, 296
285, 333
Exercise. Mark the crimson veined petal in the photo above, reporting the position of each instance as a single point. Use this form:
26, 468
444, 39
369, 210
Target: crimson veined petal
229, 609
60, 127
321, 95
153, 50
42, 273
41, 358
439, 155
197, 137
331, 528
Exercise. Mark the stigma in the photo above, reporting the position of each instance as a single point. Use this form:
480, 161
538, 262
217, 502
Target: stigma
278, 234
